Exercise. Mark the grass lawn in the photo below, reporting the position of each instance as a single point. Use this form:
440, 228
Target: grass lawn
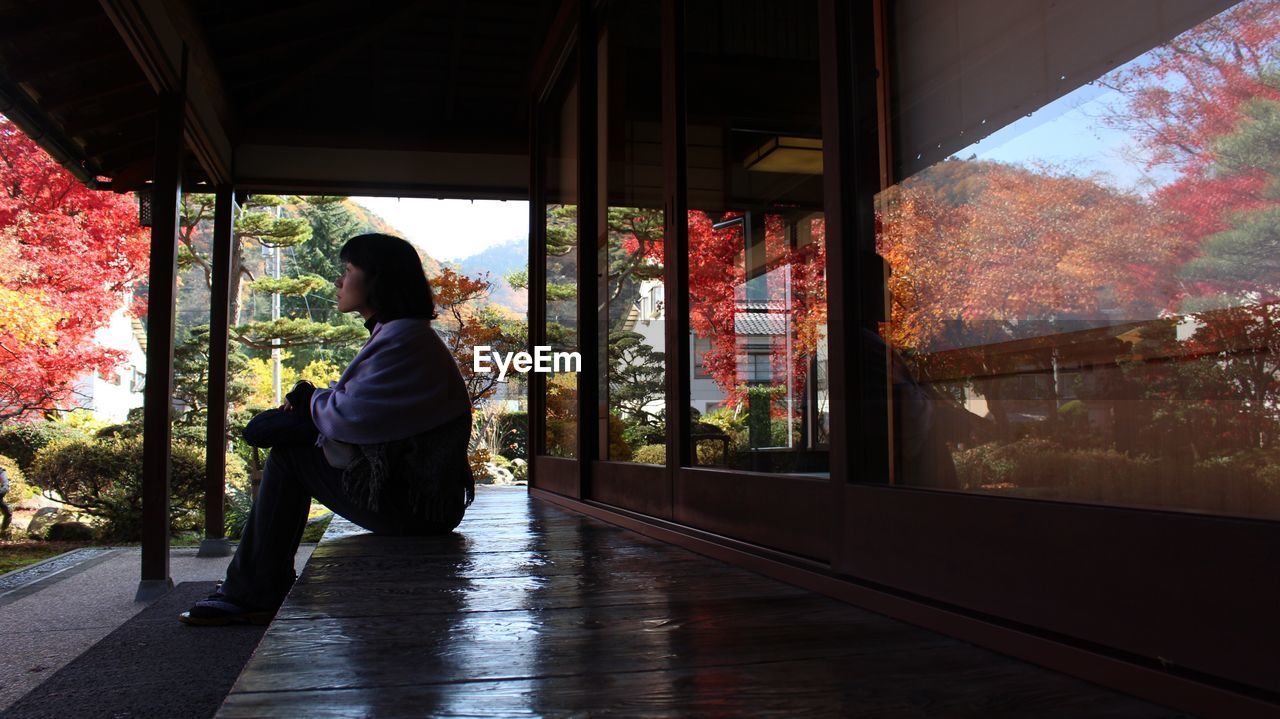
16, 554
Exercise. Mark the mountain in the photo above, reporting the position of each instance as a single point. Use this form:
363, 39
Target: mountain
375, 221
499, 261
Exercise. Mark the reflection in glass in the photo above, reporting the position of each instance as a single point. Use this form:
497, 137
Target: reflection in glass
758, 305
637, 360
634, 300
1083, 298
757, 245
561, 248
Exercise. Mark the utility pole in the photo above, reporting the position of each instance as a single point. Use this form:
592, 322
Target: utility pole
275, 315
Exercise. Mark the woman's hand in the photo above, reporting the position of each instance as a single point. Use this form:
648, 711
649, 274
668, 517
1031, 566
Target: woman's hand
300, 397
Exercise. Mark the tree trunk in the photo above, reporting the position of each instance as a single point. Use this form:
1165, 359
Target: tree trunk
237, 263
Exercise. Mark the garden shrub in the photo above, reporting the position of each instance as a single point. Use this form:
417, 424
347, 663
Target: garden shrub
22, 440
760, 401
708, 454
19, 490
637, 435
711, 453
562, 415
1244, 483
513, 431
724, 420
1073, 411
236, 507
778, 433
132, 427
478, 458
651, 454
619, 450
103, 479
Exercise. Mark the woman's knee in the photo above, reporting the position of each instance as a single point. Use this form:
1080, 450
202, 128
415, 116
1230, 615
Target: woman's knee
280, 457
280, 466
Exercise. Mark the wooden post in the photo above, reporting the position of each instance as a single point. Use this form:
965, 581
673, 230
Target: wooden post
158, 403
215, 542
593, 418
676, 249
859, 378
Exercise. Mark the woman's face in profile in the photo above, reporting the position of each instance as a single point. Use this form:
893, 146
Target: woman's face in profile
351, 292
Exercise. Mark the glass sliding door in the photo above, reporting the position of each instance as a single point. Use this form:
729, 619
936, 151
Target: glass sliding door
634, 298
757, 284
1084, 286
559, 138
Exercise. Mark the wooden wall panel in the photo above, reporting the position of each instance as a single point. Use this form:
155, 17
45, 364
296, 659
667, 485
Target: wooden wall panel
1198, 592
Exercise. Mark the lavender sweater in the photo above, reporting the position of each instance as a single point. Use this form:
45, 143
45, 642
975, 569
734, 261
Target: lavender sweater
402, 382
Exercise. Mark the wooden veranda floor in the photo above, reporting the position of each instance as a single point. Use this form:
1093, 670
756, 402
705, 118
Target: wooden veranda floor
530, 610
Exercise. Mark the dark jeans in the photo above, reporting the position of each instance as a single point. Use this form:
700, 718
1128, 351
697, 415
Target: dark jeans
261, 572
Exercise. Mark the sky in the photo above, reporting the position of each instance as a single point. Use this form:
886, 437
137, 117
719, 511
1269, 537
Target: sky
452, 229
1069, 134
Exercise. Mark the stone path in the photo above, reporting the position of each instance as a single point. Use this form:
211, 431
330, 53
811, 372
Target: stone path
59, 609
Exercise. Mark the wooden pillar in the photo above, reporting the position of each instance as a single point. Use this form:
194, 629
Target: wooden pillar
215, 542
861, 444
166, 193
676, 247
590, 447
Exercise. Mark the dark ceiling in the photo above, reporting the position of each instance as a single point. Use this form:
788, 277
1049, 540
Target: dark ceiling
439, 70
402, 75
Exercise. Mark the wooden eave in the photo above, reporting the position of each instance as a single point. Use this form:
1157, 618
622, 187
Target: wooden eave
415, 98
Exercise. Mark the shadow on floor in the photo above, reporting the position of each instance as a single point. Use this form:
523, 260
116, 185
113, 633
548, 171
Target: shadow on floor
152, 666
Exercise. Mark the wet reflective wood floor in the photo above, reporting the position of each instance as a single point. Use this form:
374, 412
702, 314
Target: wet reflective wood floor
530, 610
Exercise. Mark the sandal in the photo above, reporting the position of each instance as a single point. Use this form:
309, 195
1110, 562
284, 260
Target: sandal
218, 610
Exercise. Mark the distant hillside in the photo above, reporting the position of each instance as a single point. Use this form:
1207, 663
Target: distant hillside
364, 215
499, 261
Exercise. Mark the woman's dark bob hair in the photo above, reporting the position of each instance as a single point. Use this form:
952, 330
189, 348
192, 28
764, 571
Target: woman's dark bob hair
395, 285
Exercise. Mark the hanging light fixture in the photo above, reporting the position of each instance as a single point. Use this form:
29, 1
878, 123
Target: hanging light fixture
785, 153
144, 207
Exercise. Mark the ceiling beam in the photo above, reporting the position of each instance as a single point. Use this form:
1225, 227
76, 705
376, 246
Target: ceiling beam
492, 140
119, 146
156, 32
21, 27
34, 66
45, 132
109, 117
87, 93
443, 174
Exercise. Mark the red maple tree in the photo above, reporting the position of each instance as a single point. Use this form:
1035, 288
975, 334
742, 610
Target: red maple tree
1187, 94
794, 291
70, 254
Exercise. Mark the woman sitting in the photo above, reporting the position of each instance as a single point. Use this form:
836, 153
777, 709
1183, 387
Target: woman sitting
385, 446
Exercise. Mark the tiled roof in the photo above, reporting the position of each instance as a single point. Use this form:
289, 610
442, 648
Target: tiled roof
759, 323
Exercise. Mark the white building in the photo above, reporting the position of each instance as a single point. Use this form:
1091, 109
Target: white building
110, 396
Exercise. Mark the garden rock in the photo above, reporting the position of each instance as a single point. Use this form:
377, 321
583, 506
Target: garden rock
46, 517
70, 532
